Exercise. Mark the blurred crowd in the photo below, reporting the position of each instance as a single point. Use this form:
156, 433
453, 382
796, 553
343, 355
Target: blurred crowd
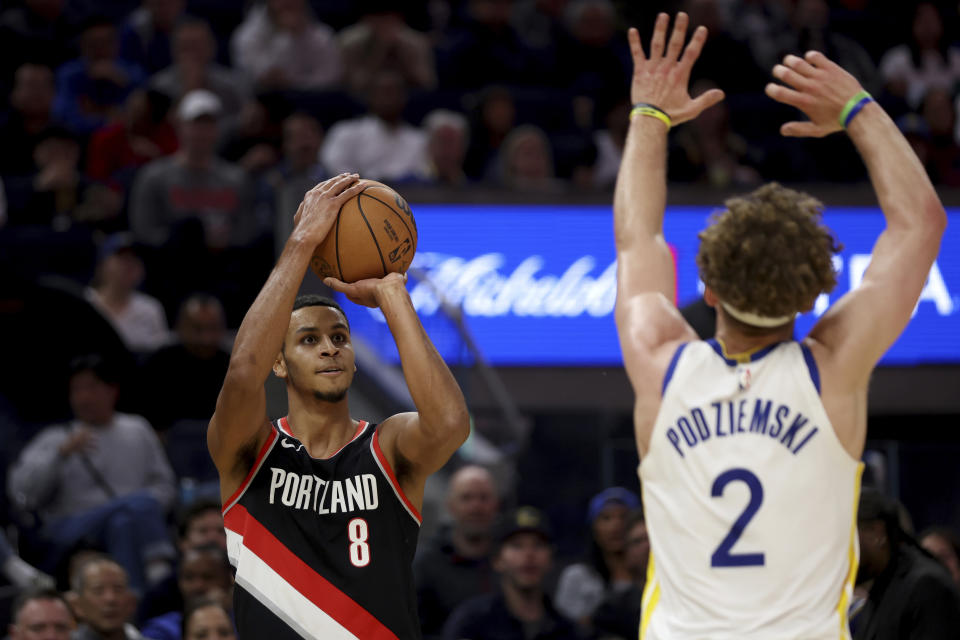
154, 154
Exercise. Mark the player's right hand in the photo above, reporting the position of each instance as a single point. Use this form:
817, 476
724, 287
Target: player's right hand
817, 86
320, 205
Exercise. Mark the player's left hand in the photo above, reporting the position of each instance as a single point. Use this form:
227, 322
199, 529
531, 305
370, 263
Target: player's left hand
662, 78
366, 292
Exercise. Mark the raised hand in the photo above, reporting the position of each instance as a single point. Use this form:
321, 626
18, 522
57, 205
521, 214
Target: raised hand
662, 78
320, 205
817, 86
366, 291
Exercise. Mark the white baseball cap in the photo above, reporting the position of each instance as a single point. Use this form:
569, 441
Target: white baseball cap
197, 103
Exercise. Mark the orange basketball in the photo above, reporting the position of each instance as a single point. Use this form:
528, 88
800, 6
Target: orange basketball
374, 234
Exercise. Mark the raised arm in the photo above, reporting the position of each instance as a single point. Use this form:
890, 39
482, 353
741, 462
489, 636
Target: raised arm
427, 438
239, 424
647, 319
856, 331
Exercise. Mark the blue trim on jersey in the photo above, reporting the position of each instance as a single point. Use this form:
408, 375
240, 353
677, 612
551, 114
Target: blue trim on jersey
811, 365
673, 365
753, 357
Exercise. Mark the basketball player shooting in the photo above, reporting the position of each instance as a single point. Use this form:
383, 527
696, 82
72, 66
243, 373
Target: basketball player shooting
322, 510
750, 442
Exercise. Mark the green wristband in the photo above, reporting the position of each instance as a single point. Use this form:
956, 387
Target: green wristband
858, 98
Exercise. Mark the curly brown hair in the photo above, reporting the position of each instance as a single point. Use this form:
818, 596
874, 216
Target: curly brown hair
768, 253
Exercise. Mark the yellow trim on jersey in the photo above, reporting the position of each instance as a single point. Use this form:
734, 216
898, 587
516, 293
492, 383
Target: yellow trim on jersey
852, 560
743, 357
651, 596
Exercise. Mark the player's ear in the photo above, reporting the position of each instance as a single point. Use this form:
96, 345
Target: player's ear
280, 367
710, 297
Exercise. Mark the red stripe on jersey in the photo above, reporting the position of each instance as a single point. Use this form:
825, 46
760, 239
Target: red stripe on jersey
285, 427
298, 574
392, 478
253, 470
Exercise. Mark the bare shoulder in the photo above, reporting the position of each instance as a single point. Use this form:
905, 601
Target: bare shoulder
651, 330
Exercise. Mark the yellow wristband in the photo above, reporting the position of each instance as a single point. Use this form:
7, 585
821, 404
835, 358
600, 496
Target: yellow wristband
644, 109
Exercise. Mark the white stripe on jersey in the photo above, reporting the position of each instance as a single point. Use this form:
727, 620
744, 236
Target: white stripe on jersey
279, 596
750, 499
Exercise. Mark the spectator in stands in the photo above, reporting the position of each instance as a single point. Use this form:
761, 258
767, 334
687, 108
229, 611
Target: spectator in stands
207, 619
521, 610
205, 572
38, 31
102, 477
609, 143
618, 615
485, 49
281, 45
492, 119
382, 40
943, 152
594, 61
194, 67
193, 185
92, 88
456, 564
191, 369
526, 162
927, 61
299, 172
31, 105
379, 145
146, 34
41, 614
199, 525
944, 545
711, 152
256, 137
911, 595
138, 318
448, 135
584, 585
104, 602
117, 150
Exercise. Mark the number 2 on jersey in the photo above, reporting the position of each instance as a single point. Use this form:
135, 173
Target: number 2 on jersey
359, 549
722, 556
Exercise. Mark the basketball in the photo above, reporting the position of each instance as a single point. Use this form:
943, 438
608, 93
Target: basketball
374, 234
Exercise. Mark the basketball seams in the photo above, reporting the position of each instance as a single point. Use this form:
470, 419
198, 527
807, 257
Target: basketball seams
336, 242
373, 234
412, 234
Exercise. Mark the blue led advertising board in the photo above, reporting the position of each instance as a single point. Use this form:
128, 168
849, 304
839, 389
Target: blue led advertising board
537, 284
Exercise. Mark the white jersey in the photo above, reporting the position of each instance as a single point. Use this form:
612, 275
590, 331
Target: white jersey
750, 501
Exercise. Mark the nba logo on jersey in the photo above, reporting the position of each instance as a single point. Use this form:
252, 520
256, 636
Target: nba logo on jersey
743, 378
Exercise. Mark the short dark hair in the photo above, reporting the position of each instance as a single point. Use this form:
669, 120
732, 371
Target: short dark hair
96, 364
316, 300
191, 511
29, 595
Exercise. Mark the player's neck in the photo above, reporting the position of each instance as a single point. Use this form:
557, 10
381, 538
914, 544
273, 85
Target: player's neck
322, 427
736, 341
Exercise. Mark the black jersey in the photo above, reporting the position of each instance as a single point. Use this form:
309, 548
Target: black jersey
322, 548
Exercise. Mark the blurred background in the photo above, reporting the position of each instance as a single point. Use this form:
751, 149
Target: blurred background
153, 154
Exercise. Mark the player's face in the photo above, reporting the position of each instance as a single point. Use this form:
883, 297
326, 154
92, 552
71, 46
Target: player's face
523, 560
318, 356
42, 619
609, 528
209, 623
206, 528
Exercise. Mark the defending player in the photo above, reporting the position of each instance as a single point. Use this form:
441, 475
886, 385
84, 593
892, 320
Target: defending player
322, 510
750, 442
